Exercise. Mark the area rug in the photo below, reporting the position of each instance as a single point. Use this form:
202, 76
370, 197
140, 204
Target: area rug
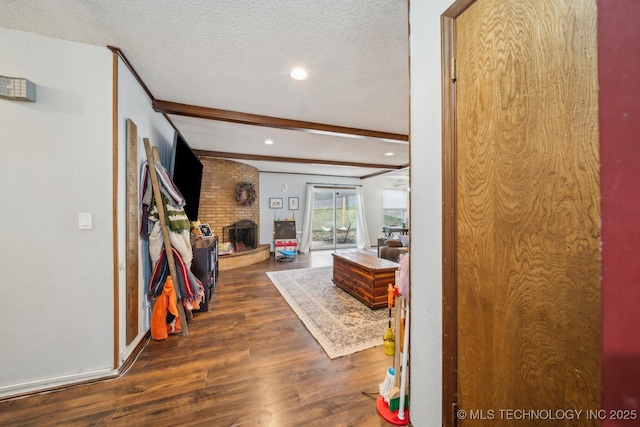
340, 323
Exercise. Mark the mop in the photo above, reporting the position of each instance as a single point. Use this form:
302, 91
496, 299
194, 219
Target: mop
387, 385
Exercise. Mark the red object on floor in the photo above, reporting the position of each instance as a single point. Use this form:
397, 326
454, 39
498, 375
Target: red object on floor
391, 416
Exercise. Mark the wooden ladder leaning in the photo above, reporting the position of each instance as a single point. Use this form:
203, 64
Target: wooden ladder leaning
151, 158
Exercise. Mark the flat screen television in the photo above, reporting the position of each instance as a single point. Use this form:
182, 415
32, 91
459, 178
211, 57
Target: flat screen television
186, 170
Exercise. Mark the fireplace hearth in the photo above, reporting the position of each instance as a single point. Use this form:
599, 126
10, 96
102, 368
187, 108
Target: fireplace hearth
243, 235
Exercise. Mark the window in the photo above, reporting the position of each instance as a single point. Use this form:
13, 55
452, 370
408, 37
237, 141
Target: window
395, 208
334, 218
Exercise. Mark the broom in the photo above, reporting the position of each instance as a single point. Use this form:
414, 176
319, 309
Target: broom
398, 400
389, 341
389, 349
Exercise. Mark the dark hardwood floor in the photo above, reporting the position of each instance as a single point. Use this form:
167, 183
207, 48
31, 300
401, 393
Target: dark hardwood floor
249, 361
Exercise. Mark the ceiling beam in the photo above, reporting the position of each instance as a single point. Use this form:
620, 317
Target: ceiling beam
242, 156
168, 107
371, 175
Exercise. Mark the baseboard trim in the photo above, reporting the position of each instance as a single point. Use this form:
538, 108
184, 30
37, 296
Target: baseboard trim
51, 385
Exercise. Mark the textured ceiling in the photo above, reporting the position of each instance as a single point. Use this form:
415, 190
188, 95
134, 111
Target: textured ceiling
237, 55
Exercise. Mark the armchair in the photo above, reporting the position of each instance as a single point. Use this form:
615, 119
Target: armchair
393, 248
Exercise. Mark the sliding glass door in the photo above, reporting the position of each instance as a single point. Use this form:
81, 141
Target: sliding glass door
334, 218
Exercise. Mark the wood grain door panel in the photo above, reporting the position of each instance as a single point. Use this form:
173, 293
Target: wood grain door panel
524, 184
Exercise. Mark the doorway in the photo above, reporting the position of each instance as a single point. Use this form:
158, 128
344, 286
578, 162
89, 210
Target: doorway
335, 213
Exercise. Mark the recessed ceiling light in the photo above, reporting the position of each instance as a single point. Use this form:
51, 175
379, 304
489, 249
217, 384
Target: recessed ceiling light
268, 142
388, 154
298, 73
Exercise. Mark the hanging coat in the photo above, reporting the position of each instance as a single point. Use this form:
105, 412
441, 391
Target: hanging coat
165, 319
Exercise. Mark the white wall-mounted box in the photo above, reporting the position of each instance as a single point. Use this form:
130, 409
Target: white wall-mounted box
17, 89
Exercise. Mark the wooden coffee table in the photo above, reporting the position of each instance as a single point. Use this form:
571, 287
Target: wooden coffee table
364, 276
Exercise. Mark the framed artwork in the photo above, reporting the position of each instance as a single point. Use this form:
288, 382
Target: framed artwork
205, 231
275, 202
293, 203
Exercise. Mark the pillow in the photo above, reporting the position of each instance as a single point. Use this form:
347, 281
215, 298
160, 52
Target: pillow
393, 243
404, 239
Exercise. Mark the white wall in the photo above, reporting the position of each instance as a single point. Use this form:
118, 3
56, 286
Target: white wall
372, 194
56, 163
273, 184
56, 310
373, 202
134, 104
426, 213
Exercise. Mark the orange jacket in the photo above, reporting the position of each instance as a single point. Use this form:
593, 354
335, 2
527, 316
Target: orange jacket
165, 319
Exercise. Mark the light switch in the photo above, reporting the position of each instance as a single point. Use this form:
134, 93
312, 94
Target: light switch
84, 221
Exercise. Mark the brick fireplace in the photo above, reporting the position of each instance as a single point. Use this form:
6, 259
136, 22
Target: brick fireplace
218, 205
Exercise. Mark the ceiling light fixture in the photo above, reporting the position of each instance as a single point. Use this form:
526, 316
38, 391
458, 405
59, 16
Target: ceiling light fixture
388, 154
268, 142
298, 73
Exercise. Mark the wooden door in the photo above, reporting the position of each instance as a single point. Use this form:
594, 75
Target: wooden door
521, 213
